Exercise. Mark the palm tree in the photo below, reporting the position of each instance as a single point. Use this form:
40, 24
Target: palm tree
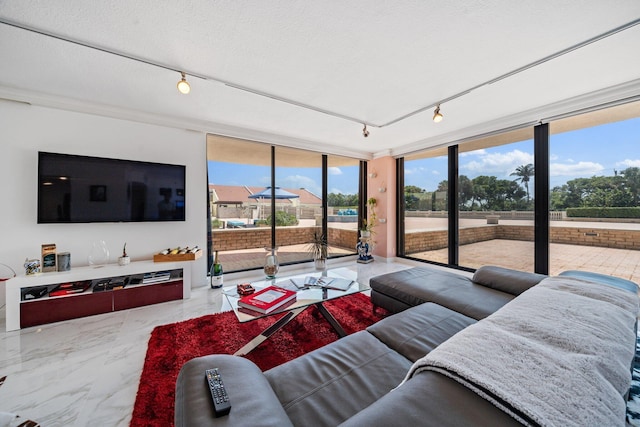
524, 172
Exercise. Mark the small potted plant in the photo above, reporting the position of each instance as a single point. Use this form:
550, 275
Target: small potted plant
370, 223
124, 259
318, 250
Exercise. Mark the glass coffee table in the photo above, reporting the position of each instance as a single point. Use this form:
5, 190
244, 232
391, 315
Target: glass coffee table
305, 298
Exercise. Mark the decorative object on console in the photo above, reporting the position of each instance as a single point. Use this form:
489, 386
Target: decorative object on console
99, 254
6, 272
31, 266
48, 257
267, 300
178, 254
271, 265
171, 346
124, 259
64, 261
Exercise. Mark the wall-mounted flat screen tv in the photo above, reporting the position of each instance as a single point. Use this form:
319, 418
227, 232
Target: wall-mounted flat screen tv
81, 189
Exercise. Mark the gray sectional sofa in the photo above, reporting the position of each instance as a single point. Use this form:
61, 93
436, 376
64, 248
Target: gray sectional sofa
501, 348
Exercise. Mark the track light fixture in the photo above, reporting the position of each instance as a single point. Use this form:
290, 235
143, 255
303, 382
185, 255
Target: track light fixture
183, 85
365, 132
437, 115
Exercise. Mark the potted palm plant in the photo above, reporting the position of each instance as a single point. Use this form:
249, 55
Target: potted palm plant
369, 223
318, 249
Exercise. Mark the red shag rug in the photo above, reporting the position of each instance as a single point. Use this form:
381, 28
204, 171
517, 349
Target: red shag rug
171, 346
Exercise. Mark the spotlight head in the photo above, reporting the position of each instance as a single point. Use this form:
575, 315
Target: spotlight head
365, 132
437, 115
183, 85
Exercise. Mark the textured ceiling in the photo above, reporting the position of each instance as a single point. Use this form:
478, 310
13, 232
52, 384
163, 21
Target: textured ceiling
373, 62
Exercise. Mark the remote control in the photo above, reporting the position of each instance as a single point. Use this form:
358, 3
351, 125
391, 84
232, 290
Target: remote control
221, 404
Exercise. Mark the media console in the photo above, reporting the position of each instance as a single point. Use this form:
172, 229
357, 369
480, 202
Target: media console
23, 311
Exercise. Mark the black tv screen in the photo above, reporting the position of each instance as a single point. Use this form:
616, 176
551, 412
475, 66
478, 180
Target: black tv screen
81, 189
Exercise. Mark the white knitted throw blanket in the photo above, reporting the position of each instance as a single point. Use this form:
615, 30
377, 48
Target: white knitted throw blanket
558, 355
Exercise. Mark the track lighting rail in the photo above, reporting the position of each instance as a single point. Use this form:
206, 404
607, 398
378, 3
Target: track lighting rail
312, 107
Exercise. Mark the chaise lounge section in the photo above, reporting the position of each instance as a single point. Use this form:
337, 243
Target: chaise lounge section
398, 371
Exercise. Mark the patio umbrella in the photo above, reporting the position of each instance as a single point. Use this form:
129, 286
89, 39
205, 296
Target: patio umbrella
279, 194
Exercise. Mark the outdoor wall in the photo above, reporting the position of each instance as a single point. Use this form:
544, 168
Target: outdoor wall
607, 238
260, 237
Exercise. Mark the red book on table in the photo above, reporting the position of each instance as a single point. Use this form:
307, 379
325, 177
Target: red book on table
267, 300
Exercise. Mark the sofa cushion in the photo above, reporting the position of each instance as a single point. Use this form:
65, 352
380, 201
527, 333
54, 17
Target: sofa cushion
451, 290
331, 384
506, 280
431, 400
418, 330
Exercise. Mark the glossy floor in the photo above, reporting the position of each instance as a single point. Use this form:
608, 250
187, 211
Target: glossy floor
86, 371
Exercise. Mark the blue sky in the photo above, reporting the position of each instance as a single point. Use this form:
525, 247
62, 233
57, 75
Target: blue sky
595, 151
341, 179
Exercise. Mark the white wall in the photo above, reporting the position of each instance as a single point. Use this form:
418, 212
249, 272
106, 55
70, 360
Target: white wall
26, 129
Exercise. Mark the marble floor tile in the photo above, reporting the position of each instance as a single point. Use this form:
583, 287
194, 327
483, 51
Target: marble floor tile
86, 371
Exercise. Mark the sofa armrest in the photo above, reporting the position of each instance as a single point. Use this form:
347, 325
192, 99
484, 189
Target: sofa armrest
253, 402
506, 280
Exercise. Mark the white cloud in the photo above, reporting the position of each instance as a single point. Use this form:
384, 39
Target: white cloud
435, 172
480, 152
413, 170
628, 163
499, 164
580, 169
300, 181
334, 170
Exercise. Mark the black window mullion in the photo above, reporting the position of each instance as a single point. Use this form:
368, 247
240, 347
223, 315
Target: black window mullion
400, 207
541, 194
273, 197
452, 205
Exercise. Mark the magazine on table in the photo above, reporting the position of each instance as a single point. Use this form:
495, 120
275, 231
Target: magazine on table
322, 282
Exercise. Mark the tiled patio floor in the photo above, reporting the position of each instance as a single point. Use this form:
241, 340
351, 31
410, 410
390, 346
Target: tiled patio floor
506, 253
519, 255
254, 258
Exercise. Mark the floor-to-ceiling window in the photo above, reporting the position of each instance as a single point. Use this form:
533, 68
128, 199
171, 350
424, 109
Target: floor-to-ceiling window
593, 165
342, 204
595, 192
298, 202
495, 201
425, 201
249, 217
238, 169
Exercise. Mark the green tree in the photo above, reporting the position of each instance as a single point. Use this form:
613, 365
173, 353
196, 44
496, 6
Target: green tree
524, 174
632, 182
465, 196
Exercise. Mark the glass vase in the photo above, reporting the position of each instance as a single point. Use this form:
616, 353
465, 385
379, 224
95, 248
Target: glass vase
99, 254
271, 265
